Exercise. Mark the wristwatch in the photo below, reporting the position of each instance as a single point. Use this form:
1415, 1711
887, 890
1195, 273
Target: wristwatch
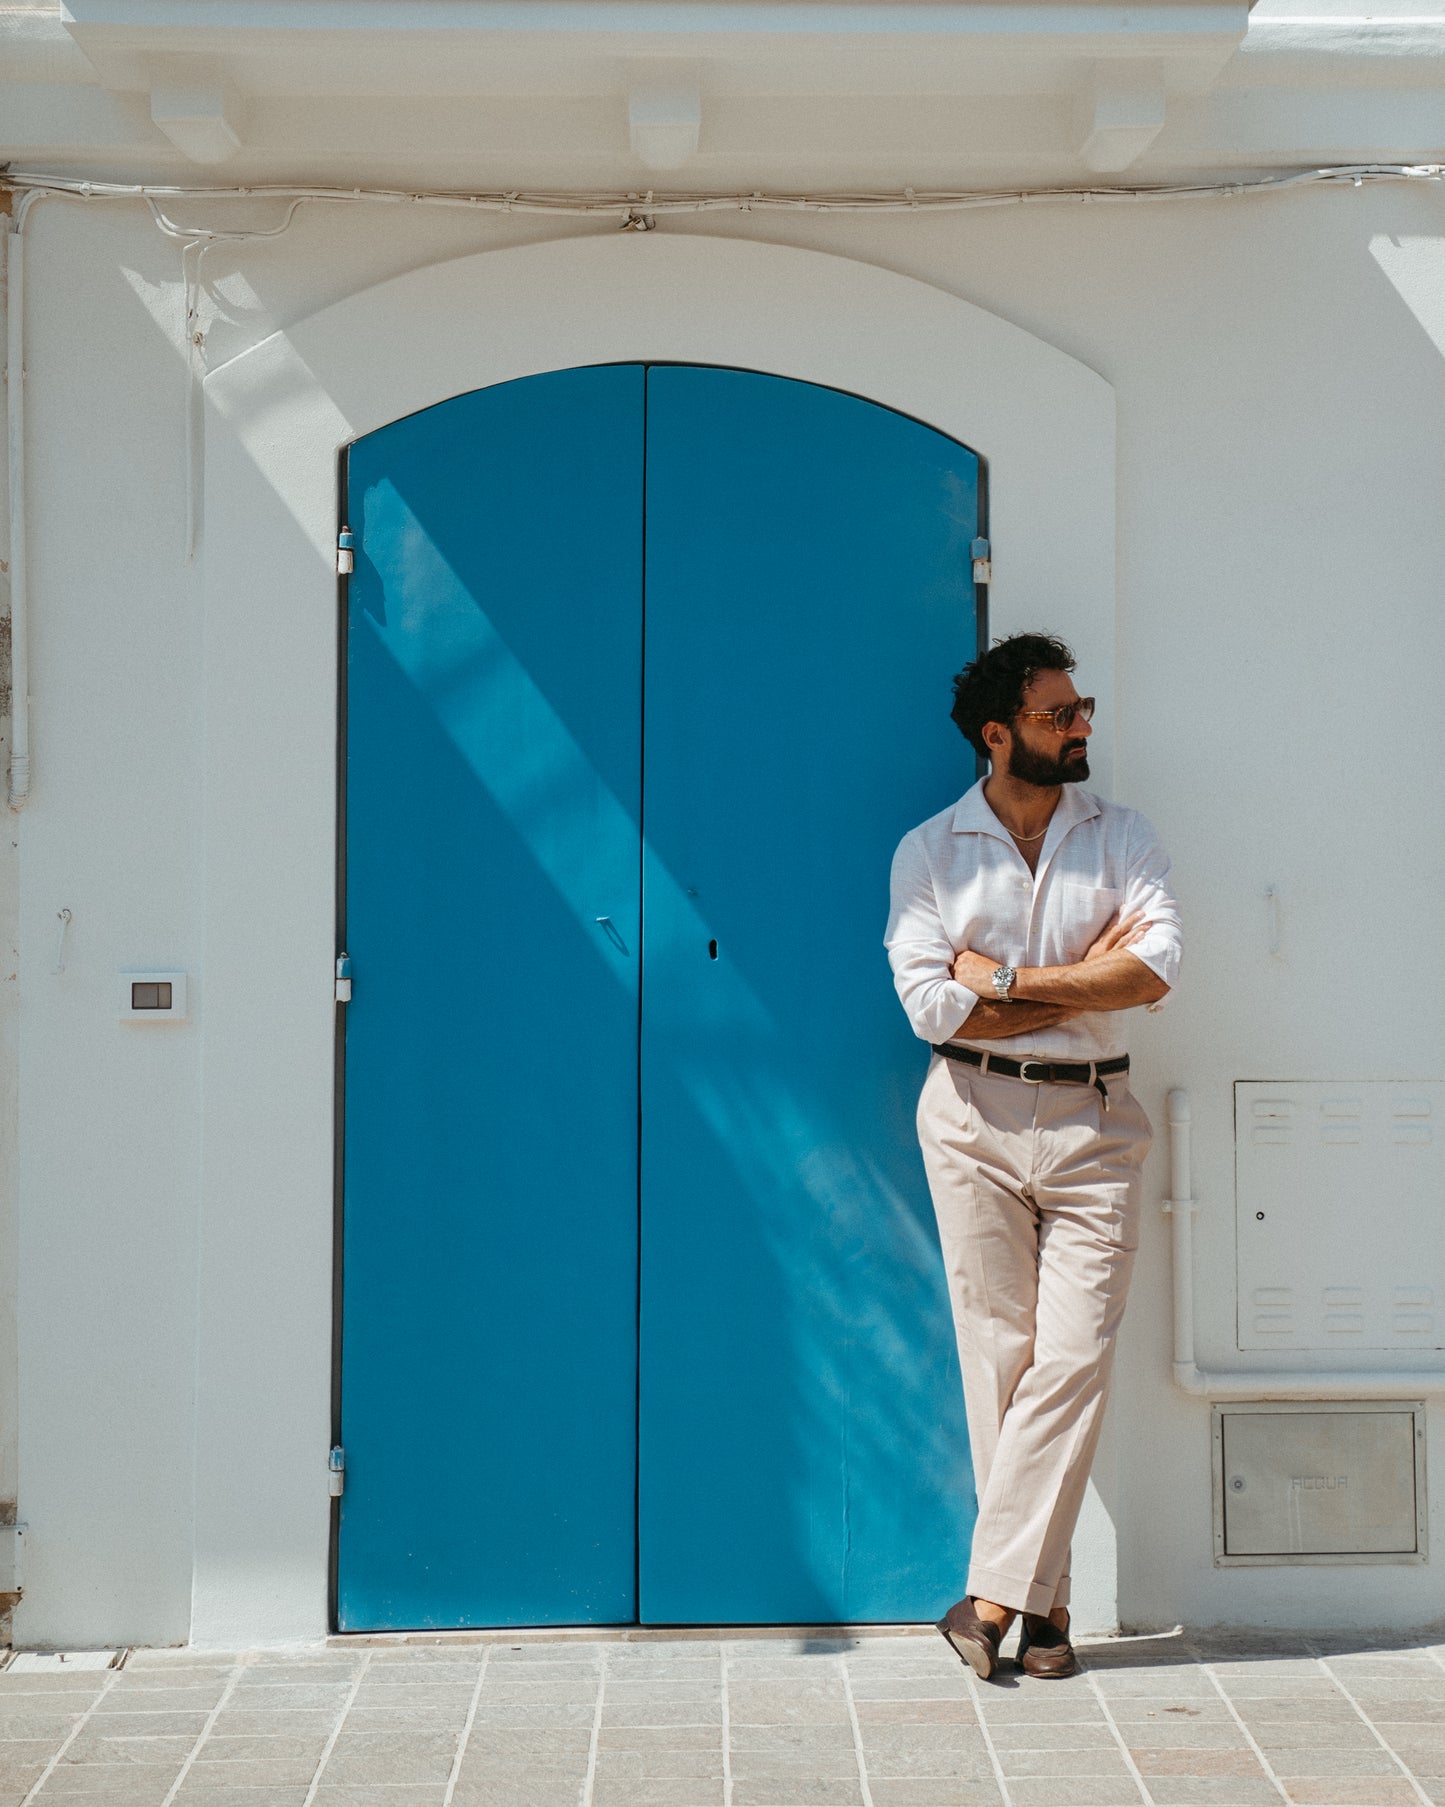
1003, 977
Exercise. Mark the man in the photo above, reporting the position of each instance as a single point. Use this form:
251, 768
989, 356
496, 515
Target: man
1026, 919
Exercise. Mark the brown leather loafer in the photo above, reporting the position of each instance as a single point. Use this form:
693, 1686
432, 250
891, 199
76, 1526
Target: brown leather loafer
974, 1639
1044, 1650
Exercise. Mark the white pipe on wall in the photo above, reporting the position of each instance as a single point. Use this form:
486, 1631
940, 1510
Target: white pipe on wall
1243, 1383
15, 449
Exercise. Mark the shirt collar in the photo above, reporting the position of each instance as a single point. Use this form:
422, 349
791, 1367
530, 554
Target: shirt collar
972, 815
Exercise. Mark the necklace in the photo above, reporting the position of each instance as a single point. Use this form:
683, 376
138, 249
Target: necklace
1031, 837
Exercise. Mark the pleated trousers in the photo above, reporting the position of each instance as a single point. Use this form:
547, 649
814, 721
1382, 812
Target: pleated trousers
1037, 1193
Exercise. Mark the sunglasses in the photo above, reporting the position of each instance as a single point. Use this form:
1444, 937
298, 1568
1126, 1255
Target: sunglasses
1062, 718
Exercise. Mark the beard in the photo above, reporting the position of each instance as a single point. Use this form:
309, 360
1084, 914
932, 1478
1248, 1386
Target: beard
1038, 768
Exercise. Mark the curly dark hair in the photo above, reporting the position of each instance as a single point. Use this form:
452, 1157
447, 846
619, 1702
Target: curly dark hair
992, 688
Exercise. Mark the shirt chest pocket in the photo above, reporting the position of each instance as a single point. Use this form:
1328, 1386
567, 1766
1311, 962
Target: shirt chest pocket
1082, 913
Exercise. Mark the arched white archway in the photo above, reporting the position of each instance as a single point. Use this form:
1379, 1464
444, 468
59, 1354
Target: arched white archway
276, 419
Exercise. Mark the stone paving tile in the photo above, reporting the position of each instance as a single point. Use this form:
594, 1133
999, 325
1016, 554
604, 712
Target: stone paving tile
558, 1713
1241, 1762
188, 1725
1306, 1710
411, 1757
1201, 1735
535, 1676
255, 1772
248, 1722
933, 1791
659, 1765
972, 1766
1424, 1743
699, 1712
1344, 1734
1309, 1760
1400, 1712
18, 1728
1030, 1707
96, 1745
552, 1744
400, 1719
19, 1777
1096, 1762
172, 1675
222, 1747
522, 1694
1353, 1792
477, 1772
945, 1684
623, 1690
1051, 1792
659, 1737
84, 1682
1278, 1687
759, 1707
1172, 1683
695, 1792
122, 1784
1052, 1735
1380, 1694
201, 1794
178, 1658
524, 1791
763, 1789
815, 1740
159, 1700
1214, 1791
914, 1712
287, 1700
382, 1796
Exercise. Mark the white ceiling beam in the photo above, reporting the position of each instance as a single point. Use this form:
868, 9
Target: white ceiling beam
664, 122
1123, 115
200, 112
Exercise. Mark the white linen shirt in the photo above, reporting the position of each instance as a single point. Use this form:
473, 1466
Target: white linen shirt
959, 882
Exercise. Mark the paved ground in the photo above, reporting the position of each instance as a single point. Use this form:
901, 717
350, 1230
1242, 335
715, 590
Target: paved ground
686, 1722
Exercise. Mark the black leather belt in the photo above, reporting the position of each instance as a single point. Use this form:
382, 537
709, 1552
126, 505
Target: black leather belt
1038, 1072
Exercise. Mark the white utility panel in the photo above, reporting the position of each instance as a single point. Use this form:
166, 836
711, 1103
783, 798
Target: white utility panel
1331, 1481
1340, 1198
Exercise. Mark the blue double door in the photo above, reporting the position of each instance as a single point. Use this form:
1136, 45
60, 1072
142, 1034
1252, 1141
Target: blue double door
643, 1311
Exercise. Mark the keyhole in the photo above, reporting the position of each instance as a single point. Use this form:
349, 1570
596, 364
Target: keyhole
712, 950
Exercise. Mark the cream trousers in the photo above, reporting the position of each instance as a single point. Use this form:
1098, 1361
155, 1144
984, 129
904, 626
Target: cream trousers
1036, 1189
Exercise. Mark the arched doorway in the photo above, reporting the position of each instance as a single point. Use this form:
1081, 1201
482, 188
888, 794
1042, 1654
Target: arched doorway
647, 673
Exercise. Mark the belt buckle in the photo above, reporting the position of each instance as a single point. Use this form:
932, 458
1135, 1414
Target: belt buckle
1035, 1078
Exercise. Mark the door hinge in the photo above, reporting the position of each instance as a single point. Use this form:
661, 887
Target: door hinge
336, 1472
343, 978
345, 552
982, 563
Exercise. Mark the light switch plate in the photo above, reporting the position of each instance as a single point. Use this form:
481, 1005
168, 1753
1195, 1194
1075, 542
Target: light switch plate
153, 997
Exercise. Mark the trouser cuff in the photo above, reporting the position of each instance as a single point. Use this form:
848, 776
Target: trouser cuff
1014, 1592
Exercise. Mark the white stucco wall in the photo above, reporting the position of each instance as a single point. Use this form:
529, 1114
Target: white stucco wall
1278, 376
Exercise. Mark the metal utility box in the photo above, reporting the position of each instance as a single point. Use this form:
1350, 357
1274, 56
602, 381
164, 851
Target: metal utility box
1332, 1482
1340, 1231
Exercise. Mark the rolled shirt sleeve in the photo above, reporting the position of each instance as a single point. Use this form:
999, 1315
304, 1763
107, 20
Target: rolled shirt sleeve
919, 951
1147, 888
